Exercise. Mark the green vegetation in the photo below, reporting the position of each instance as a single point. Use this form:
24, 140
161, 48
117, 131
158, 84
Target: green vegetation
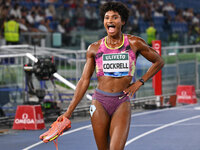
198, 56
181, 57
67, 67
62, 84
10, 74
186, 57
169, 59
67, 87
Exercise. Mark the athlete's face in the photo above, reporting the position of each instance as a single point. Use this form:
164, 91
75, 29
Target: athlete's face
113, 23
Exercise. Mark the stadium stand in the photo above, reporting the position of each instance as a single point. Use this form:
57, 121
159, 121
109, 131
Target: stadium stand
70, 17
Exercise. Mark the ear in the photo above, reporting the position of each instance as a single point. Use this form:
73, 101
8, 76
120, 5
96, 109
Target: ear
123, 22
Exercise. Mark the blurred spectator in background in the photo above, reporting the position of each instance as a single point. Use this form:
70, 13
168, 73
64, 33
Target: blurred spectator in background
179, 17
44, 26
151, 34
4, 11
135, 11
16, 11
24, 12
61, 12
36, 1
197, 29
24, 28
31, 17
80, 16
83, 14
50, 12
71, 3
11, 31
50, 1
38, 9
194, 33
169, 7
167, 22
158, 13
61, 26
31, 26
91, 18
65, 28
22, 25
188, 14
196, 18
145, 10
39, 16
6, 2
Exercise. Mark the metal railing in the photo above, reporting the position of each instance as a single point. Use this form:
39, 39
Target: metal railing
179, 69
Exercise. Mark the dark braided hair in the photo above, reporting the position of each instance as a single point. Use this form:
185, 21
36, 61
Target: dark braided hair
116, 7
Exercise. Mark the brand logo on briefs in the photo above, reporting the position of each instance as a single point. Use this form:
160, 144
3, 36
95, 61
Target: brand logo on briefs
116, 62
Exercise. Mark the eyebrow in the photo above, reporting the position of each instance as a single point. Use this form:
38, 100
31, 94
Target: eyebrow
113, 15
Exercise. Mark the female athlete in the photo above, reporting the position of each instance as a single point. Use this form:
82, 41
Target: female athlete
114, 59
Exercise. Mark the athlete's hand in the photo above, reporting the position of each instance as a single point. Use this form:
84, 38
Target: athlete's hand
60, 118
130, 91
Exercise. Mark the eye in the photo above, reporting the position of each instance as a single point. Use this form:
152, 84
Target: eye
106, 17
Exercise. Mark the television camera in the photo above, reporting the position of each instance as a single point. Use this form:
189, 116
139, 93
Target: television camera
43, 70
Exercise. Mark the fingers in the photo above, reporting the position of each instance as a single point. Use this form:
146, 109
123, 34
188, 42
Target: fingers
130, 91
60, 118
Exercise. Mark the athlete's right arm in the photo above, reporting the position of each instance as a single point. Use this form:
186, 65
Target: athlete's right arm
84, 81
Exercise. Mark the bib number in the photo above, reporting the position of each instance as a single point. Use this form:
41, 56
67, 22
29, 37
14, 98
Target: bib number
116, 62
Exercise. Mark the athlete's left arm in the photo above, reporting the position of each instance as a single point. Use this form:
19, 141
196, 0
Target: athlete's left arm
139, 45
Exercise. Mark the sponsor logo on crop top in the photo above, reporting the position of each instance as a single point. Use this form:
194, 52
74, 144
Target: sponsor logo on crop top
115, 63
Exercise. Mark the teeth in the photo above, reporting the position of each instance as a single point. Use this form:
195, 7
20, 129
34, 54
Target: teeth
111, 26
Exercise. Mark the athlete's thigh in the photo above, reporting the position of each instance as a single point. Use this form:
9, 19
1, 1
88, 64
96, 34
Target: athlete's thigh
119, 126
100, 124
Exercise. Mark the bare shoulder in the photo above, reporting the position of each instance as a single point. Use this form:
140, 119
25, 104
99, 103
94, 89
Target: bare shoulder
137, 43
135, 39
93, 48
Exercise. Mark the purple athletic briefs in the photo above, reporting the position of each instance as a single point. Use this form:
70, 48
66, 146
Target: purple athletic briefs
110, 101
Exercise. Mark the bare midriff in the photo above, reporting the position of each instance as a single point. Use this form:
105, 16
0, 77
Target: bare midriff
113, 84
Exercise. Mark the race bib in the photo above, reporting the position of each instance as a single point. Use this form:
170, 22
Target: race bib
116, 64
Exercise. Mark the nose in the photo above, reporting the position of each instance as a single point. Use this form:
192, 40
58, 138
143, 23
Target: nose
110, 20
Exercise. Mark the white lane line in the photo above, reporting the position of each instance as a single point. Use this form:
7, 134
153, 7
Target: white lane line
65, 133
161, 110
160, 128
150, 112
75, 130
89, 126
158, 125
34, 145
197, 108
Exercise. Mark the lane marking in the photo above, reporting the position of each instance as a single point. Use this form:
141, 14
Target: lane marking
197, 108
65, 133
161, 110
157, 125
160, 128
89, 126
34, 145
